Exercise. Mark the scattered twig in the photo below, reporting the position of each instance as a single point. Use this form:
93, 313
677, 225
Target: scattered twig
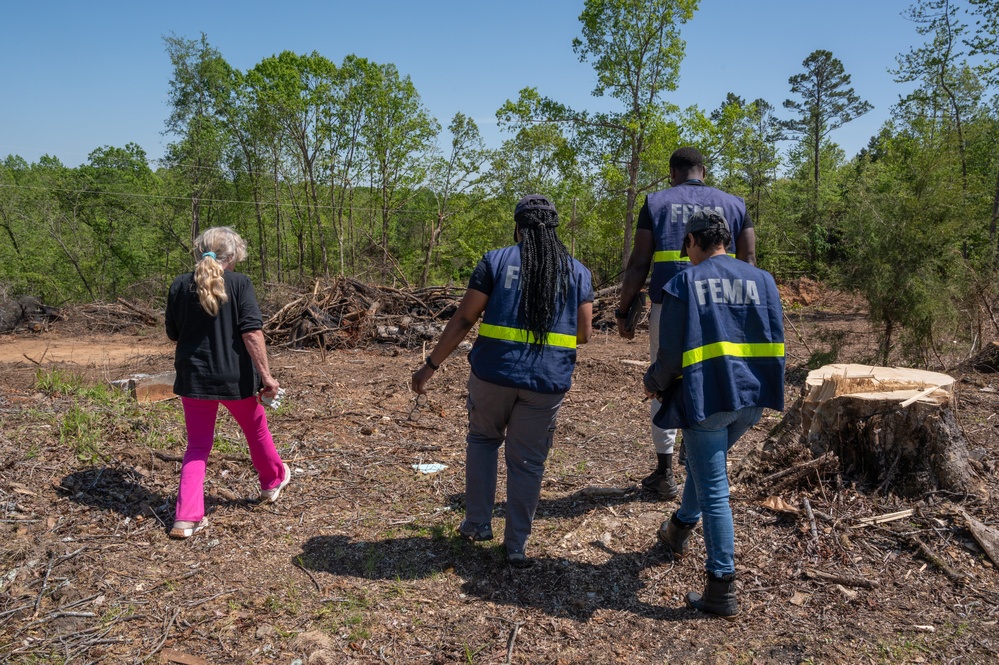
881, 519
845, 580
510, 642
811, 518
931, 556
196, 603
45, 584
173, 580
799, 468
166, 634
298, 564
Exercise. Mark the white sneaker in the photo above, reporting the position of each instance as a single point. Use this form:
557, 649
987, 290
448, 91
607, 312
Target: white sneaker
185, 529
271, 495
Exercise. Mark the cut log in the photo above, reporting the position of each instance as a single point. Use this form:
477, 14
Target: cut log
891, 427
146, 389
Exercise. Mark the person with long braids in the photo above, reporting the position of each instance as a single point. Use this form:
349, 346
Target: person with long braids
536, 304
221, 358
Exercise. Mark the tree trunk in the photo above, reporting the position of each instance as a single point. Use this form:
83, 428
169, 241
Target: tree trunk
891, 428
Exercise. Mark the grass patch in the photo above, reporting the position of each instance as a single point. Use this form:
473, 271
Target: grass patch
80, 431
60, 383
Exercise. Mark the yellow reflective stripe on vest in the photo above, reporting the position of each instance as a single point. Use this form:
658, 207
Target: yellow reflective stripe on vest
745, 350
662, 257
520, 335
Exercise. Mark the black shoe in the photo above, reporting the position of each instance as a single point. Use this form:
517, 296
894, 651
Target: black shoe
718, 597
675, 535
475, 532
662, 484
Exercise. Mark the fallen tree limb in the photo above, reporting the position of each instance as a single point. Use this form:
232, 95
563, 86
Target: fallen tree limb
797, 468
986, 536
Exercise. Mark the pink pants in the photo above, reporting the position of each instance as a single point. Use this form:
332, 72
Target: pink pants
199, 417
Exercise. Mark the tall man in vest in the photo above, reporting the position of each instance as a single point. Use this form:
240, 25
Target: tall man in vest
720, 362
658, 240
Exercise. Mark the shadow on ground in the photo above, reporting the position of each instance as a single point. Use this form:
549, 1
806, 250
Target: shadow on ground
558, 587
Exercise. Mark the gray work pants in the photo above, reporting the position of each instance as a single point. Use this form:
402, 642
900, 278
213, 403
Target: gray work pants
526, 421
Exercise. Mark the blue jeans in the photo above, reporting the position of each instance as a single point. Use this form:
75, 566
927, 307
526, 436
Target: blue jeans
705, 491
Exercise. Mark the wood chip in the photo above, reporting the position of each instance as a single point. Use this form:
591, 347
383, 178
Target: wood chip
172, 656
881, 519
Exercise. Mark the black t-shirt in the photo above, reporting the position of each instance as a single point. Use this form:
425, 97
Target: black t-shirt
645, 219
211, 359
482, 277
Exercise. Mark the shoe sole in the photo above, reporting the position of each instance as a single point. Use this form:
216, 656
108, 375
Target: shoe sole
181, 534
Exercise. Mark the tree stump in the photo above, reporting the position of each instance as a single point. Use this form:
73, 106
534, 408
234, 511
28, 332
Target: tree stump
893, 428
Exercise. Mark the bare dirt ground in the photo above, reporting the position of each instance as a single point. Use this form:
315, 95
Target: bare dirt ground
358, 561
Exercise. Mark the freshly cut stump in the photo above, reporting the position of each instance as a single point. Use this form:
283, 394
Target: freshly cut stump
891, 427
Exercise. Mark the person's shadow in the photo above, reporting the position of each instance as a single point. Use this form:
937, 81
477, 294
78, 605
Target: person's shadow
115, 489
557, 586
578, 503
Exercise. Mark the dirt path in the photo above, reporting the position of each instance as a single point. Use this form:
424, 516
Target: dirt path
89, 351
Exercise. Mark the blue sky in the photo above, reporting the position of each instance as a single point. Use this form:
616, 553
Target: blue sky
79, 76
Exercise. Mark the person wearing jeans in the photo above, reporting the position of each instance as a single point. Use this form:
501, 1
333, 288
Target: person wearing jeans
657, 248
720, 363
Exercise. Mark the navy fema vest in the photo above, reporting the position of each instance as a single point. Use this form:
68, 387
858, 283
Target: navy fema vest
670, 209
502, 353
733, 355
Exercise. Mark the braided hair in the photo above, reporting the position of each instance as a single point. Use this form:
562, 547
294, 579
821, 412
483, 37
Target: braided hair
545, 270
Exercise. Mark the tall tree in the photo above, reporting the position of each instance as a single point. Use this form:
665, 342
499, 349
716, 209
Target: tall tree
636, 50
399, 136
452, 179
346, 113
827, 103
200, 85
294, 88
984, 42
936, 66
760, 154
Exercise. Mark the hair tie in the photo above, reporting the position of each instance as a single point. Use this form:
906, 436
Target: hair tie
211, 254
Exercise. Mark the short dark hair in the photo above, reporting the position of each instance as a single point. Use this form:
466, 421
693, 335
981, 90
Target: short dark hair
708, 239
684, 159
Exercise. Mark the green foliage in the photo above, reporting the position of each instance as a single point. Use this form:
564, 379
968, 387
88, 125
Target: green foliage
902, 245
61, 383
80, 430
330, 168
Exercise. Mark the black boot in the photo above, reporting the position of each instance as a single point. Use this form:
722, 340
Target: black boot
674, 534
661, 480
718, 597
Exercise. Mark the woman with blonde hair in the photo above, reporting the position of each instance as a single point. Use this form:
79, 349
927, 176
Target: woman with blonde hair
221, 358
